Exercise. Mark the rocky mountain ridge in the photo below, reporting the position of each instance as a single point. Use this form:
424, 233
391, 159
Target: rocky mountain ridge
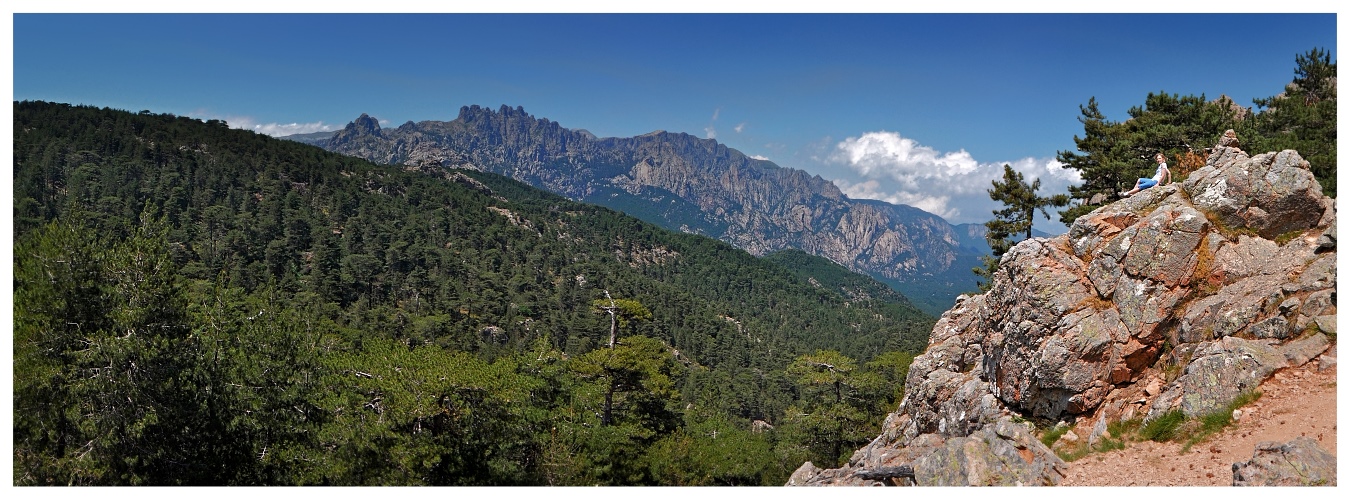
690, 184
1179, 298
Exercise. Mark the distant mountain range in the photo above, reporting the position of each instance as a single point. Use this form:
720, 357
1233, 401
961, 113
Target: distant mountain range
694, 185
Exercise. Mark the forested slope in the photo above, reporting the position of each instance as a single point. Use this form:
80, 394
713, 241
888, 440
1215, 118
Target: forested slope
201, 305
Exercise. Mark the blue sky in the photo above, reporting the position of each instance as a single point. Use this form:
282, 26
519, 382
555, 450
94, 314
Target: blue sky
922, 109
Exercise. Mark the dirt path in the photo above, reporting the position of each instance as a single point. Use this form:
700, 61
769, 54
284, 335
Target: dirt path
1295, 402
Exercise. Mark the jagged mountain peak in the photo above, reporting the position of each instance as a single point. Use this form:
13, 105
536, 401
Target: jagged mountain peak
474, 111
365, 125
360, 133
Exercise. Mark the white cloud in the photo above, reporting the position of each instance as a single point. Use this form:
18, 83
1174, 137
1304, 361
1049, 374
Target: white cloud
739, 127
871, 190
283, 129
760, 157
1050, 171
710, 132
952, 185
279, 129
887, 154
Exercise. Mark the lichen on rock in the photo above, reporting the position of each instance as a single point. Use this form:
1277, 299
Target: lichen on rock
1300, 462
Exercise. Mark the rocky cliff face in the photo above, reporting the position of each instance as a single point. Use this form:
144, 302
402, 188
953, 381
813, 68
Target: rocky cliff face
1179, 298
684, 183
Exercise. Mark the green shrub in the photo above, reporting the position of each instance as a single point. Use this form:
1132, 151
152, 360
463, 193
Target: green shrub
1284, 238
1053, 434
1101, 445
1163, 428
1105, 444
1077, 453
1244, 399
1217, 420
1122, 427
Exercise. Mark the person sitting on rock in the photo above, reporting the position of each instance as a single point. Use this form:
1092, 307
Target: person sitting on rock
1159, 176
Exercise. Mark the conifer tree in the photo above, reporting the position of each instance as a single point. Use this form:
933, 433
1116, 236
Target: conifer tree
1303, 118
1096, 157
1112, 155
1021, 204
837, 407
104, 389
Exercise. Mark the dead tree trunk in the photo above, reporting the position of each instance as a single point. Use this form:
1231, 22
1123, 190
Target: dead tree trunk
614, 322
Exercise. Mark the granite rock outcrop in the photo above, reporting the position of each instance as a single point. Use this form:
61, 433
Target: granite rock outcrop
1176, 299
1300, 462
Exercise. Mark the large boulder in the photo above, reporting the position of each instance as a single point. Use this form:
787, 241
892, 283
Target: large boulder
1002, 453
1300, 462
1218, 373
1271, 193
999, 454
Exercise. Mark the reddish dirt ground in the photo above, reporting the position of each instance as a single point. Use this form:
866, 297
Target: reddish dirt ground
1295, 402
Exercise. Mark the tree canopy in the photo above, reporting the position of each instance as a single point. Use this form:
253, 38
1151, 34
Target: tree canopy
1021, 204
1303, 118
201, 305
1111, 155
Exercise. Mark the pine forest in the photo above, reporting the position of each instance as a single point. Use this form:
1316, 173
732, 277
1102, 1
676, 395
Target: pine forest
198, 305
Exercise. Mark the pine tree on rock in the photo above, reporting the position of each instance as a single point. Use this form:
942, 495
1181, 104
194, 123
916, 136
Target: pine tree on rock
1021, 204
1303, 118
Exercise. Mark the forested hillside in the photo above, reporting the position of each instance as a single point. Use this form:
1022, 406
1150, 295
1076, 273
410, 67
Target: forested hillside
201, 305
